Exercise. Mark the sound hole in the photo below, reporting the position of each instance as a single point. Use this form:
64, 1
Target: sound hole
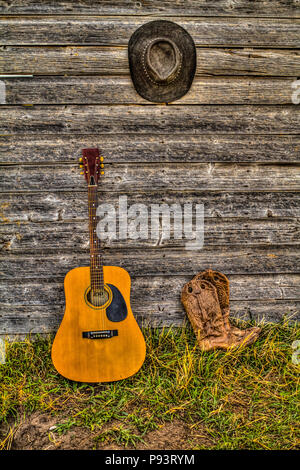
97, 297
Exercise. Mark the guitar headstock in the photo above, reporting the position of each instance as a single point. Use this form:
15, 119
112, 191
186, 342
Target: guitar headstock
92, 165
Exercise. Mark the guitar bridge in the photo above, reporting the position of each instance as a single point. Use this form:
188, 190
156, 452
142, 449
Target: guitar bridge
100, 334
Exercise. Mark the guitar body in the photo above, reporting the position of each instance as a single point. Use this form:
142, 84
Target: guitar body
77, 352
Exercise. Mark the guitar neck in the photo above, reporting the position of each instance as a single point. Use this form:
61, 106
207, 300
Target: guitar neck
96, 259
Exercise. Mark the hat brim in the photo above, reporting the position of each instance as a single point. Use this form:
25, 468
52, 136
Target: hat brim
148, 89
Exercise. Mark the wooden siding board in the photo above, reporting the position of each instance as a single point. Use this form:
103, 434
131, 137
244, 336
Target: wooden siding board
100, 60
136, 148
53, 206
158, 261
247, 8
152, 119
52, 236
119, 90
208, 176
157, 288
46, 319
116, 31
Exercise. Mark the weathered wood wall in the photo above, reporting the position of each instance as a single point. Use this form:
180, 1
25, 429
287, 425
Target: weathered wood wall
231, 143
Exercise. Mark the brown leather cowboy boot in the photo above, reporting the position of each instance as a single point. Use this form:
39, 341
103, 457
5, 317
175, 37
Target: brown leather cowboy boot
204, 306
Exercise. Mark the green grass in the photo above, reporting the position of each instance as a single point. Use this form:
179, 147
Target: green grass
241, 399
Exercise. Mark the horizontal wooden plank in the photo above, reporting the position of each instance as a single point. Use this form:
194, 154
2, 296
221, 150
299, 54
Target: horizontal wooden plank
72, 205
119, 90
158, 261
100, 60
150, 119
124, 148
21, 321
139, 177
16, 324
155, 290
32, 237
105, 31
24, 320
276, 8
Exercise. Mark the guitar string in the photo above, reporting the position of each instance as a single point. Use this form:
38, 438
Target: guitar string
90, 214
97, 279
96, 258
92, 251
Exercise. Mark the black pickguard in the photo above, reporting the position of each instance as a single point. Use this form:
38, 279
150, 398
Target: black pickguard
117, 310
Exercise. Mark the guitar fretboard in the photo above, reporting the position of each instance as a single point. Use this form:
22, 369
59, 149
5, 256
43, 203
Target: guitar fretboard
96, 259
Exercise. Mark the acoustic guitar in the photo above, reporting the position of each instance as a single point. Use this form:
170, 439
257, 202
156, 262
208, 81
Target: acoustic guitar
99, 339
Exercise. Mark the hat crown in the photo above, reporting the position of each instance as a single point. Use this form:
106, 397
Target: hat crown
162, 60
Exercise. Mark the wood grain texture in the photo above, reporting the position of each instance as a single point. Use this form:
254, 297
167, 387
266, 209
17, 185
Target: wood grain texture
276, 8
242, 288
153, 148
208, 176
159, 261
150, 119
119, 90
116, 31
100, 60
52, 206
24, 320
26, 237
232, 143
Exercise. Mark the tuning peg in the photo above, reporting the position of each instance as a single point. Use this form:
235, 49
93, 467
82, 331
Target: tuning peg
101, 159
80, 166
80, 159
82, 172
102, 172
102, 165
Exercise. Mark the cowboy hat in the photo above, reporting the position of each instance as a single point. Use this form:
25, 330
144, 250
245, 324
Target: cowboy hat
162, 61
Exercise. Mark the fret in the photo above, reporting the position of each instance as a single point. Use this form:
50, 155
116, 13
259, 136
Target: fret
92, 165
96, 259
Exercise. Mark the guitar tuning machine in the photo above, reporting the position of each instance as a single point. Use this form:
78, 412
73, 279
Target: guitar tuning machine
102, 164
101, 159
